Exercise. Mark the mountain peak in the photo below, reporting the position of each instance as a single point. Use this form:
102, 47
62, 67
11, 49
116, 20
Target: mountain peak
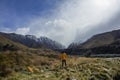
34, 42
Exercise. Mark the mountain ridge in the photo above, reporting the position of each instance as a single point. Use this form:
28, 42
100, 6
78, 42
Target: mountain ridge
104, 43
102, 39
32, 41
6, 44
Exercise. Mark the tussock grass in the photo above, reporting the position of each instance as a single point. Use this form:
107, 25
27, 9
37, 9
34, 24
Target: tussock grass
78, 68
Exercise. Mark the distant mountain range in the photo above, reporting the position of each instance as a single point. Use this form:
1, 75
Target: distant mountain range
105, 43
32, 41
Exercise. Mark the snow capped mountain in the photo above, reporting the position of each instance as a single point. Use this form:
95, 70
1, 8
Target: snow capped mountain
50, 43
32, 37
73, 45
33, 42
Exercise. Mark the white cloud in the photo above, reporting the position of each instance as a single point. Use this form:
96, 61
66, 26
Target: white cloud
85, 15
57, 29
74, 19
89, 12
22, 31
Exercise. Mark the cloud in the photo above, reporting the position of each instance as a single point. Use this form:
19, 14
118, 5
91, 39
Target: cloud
87, 15
74, 20
22, 31
89, 12
57, 29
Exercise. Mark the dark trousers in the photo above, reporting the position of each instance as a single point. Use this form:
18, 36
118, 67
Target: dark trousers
63, 63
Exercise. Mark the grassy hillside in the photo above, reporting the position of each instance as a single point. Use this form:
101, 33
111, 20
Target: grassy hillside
102, 39
99, 40
15, 61
4, 42
103, 45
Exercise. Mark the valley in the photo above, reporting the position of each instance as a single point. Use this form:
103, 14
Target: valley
42, 60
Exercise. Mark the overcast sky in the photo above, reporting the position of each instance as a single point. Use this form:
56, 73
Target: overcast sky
65, 21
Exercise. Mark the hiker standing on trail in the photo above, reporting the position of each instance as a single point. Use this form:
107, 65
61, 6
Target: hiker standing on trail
63, 57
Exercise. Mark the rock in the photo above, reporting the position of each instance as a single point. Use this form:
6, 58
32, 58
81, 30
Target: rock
74, 79
72, 70
42, 71
68, 79
46, 76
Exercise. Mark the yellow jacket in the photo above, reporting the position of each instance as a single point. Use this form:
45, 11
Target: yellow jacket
63, 56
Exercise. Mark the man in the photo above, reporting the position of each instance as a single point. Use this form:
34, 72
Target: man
63, 57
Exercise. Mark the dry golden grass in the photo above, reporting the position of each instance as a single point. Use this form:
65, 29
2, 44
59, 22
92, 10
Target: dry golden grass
47, 66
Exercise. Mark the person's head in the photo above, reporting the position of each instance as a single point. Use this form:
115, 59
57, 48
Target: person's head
63, 52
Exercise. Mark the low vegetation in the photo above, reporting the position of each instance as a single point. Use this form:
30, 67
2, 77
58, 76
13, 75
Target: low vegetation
21, 65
